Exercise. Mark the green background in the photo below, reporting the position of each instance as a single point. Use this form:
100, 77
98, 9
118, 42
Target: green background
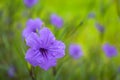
78, 28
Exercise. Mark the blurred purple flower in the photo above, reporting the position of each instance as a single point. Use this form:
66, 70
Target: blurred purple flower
91, 15
30, 3
19, 26
32, 26
44, 49
75, 51
100, 28
11, 71
56, 20
118, 70
109, 50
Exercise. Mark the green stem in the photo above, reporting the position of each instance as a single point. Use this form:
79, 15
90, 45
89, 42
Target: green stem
54, 71
32, 73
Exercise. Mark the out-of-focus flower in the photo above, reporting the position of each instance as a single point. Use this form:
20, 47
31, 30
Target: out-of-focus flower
109, 50
91, 15
75, 51
56, 20
99, 27
30, 3
11, 71
118, 70
19, 26
44, 49
32, 26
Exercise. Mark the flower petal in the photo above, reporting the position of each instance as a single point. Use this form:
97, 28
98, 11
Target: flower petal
48, 64
33, 41
29, 22
38, 23
57, 49
46, 37
31, 56
36, 59
26, 32
34, 24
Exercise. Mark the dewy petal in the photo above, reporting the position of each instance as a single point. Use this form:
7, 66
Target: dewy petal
46, 37
32, 56
57, 49
33, 41
48, 64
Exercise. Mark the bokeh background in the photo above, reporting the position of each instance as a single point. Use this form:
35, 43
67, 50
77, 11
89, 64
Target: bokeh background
80, 18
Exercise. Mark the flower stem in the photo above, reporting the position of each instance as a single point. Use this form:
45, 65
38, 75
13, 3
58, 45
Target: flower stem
54, 71
32, 73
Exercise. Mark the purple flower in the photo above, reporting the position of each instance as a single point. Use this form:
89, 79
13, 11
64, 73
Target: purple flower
31, 26
109, 50
56, 21
44, 49
118, 70
30, 3
11, 71
100, 27
75, 51
91, 15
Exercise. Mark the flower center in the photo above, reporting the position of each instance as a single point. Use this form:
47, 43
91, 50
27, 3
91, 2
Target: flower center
77, 51
34, 30
43, 51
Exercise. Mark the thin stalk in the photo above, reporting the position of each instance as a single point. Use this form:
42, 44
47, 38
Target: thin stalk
54, 71
32, 73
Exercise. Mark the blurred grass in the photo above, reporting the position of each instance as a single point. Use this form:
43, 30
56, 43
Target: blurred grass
78, 28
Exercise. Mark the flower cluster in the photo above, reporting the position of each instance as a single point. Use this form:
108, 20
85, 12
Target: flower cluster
44, 48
